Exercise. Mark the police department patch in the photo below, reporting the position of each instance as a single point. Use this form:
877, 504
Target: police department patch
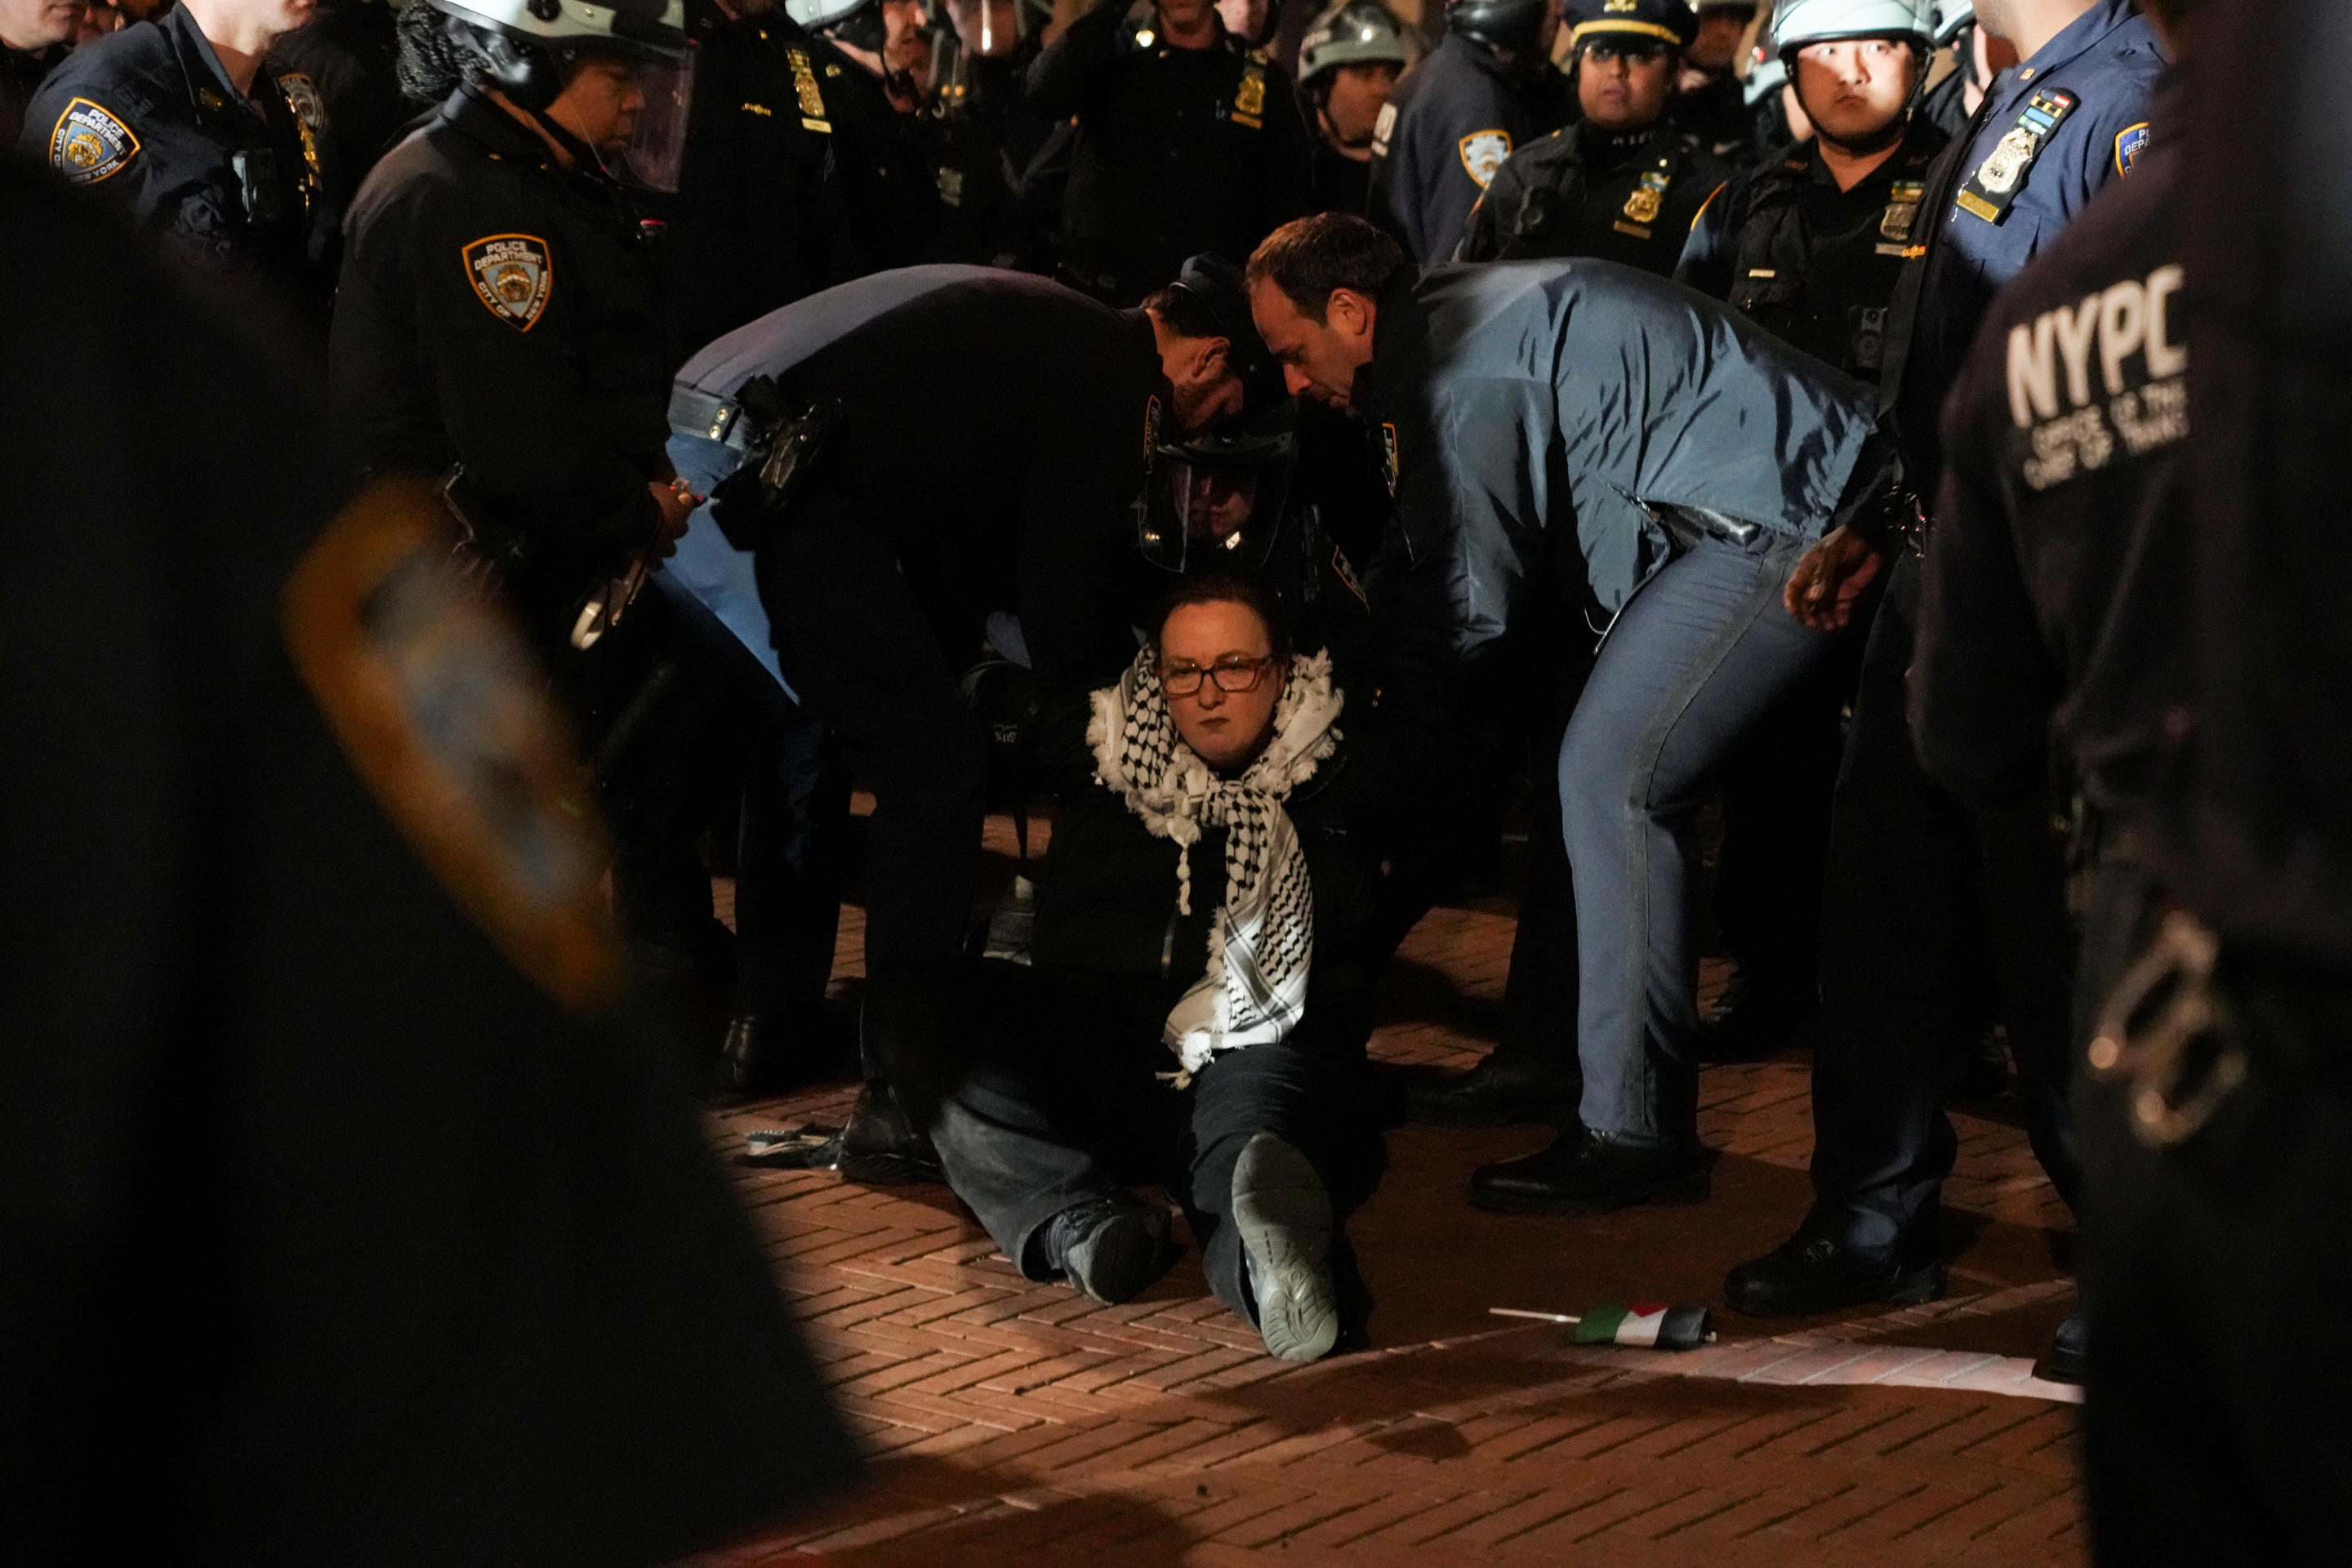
2130, 142
1483, 153
90, 144
510, 273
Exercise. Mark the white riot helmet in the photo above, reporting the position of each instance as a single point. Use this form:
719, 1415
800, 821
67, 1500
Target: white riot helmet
816, 14
1801, 22
1951, 15
1354, 32
1766, 78
527, 47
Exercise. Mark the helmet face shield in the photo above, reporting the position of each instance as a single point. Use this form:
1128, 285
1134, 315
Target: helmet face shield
1215, 502
657, 151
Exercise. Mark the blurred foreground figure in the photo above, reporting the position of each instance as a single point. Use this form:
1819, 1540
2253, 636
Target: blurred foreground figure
345, 1216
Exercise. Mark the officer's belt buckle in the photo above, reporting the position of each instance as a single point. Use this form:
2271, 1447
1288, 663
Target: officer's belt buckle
2166, 1031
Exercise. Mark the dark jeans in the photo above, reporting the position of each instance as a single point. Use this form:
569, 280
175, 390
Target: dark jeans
2215, 1278
1054, 1101
1917, 888
1691, 666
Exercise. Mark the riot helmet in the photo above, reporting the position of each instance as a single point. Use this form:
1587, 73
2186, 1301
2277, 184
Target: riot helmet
1951, 17
1220, 497
1501, 24
529, 50
1801, 22
1354, 32
1767, 75
816, 14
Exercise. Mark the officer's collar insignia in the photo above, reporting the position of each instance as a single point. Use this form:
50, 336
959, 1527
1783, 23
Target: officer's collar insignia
2130, 142
1483, 153
437, 703
90, 144
210, 101
511, 275
1249, 98
1389, 456
2002, 175
1649, 197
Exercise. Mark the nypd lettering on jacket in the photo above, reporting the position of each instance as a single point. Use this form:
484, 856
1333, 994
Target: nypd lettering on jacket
2101, 377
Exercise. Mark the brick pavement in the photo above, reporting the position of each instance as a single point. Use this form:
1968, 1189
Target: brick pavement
1017, 1423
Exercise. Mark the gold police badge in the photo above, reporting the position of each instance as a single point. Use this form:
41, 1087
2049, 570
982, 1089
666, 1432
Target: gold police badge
805, 88
1249, 98
1648, 198
90, 144
510, 273
310, 115
2008, 160
1902, 207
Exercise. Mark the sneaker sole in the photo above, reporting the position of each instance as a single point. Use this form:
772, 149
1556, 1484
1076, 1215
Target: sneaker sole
1692, 1188
1284, 1216
1121, 1259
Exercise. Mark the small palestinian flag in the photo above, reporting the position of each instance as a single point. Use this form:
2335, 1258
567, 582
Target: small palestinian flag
1652, 1325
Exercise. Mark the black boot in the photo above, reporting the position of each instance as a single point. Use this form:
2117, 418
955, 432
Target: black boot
1112, 1247
1816, 1270
880, 1146
1509, 1086
1582, 1173
2065, 1360
751, 1057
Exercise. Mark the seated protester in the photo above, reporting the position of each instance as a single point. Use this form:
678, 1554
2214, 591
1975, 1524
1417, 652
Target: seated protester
1198, 996
1622, 183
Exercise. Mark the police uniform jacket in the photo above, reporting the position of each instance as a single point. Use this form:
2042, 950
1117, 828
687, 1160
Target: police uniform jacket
1582, 191
21, 73
148, 116
1545, 411
1452, 121
1178, 151
306, 998
982, 133
758, 220
992, 428
883, 156
497, 313
2059, 575
2051, 132
1810, 264
349, 55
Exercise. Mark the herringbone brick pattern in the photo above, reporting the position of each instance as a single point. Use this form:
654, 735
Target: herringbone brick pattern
1018, 1424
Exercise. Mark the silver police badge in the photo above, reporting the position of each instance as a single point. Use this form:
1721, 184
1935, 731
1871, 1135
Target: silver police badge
2008, 161
512, 275
90, 144
1483, 153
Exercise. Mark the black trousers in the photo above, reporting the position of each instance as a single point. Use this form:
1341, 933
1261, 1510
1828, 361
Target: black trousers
792, 862
2216, 1284
1917, 888
1053, 1100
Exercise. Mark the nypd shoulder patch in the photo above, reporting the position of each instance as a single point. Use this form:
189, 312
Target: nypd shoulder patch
90, 143
512, 275
1483, 153
2130, 142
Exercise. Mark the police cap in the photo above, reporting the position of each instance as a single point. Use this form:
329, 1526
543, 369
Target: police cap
1669, 22
1217, 284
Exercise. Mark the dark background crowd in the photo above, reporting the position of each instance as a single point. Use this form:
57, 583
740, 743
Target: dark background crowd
520, 459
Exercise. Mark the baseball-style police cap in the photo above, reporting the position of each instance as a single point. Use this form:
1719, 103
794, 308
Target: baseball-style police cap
1217, 284
1669, 22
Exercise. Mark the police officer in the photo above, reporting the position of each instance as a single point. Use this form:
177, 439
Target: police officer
1909, 866
1710, 104
297, 839
879, 563
868, 54
34, 35
1694, 458
1621, 184
1972, 58
1488, 89
341, 70
179, 120
983, 131
1188, 140
1348, 66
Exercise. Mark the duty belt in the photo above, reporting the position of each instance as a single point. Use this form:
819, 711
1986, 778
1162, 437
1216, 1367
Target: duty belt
709, 417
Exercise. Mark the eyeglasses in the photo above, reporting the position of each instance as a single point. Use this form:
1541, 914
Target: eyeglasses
1632, 51
1233, 676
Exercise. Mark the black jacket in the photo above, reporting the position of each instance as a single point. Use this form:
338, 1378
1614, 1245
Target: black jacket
1179, 151
1812, 265
497, 311
21, 74
348, 52
993, 428
1580, 191
1444, 132
148, 117
980, 134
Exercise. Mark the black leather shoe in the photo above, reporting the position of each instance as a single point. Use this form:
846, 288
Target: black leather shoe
1584, 1173
1815, 1272
2065, 1361
1752, 1021
752, 1055
1507, 1087
880, 1147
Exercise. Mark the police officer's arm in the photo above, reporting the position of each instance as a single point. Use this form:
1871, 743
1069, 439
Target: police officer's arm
535, 442
1076, 537
1493, 214
1983, 684
1706, 265
1062, 79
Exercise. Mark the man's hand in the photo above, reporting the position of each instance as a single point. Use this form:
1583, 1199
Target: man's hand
677, 503
1830, 577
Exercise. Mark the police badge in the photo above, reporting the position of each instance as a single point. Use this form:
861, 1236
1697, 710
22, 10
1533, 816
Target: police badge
1389, 456
1997, 181
1902, 207
310, 115
510, 273
1483, 153
88, 144
1649, 197
805, 88
1249, 98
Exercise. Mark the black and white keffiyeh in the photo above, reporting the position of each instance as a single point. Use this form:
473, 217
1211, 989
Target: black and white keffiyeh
1262, 939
